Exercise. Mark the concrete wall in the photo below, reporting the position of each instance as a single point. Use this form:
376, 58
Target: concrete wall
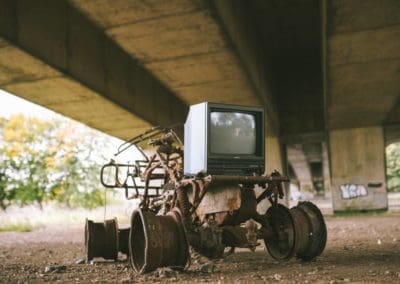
358, 169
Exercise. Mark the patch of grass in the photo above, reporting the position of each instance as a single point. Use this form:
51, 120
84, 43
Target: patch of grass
18, 227
30, 218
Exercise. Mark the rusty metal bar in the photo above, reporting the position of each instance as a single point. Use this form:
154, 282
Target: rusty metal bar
249, 180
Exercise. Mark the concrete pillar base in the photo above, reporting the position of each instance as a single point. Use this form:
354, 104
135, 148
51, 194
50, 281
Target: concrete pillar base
358, 169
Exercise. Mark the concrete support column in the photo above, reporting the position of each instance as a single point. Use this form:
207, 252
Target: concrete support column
358, 169
273, 155
325, 170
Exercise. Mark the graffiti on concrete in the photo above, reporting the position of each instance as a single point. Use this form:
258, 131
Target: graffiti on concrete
350, 191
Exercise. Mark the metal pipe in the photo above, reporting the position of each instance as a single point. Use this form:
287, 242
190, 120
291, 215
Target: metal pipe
249, 180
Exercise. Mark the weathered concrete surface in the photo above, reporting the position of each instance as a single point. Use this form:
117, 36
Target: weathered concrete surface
274, 159
30, 78
301, 166
122, 65
226, 51
326, 172
363, 63
279, 44
76, 57
362, 90
358, 169
235, 18
180, 42
310, 166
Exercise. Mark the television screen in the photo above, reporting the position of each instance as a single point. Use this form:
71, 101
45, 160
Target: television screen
232, 133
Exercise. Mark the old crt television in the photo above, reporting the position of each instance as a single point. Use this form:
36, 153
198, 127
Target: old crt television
223, 139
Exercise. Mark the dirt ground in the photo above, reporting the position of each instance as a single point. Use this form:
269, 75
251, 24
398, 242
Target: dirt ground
359, 249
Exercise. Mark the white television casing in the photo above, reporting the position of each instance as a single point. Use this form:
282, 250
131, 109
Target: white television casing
196, 149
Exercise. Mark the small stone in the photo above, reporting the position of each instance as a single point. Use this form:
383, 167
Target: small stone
277, 277
346, 280
379, 242
126, 280
54, 268
164, 272
333, 282
80, 261
312, 272
387, 272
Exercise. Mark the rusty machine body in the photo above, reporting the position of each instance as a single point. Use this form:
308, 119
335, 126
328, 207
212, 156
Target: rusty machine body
207, 213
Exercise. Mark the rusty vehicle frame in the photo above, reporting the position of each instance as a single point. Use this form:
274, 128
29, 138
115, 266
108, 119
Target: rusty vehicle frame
207, 213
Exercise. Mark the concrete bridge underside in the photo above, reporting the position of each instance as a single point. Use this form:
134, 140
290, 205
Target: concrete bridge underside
318, 67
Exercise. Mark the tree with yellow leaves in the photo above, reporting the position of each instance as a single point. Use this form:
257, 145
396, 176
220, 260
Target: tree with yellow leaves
49, 161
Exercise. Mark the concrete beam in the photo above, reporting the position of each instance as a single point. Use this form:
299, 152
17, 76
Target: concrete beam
115, 13
180, 43
365, 46
304, 137
244, 39
363, 93
21, 73
288, 38
358, 15
363, 59
61, 36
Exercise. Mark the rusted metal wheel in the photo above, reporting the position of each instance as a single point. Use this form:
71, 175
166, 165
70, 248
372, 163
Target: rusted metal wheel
123, 240
281, 243
303, 226
157, 241
311, 230
101, 239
